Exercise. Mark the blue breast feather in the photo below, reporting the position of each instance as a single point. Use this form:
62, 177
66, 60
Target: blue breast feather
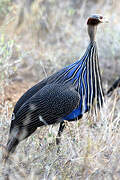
84, 74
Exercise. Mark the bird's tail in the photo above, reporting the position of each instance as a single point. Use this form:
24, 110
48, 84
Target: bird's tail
10, 148
11, 145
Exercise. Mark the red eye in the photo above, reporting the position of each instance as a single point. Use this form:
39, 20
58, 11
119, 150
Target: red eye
101, 17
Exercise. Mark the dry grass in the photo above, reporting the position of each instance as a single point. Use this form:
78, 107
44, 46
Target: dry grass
90, 147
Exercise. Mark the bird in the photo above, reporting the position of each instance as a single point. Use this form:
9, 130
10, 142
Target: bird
114, 86
65, 95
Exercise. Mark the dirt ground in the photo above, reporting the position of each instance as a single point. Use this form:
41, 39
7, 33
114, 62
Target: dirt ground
13, 91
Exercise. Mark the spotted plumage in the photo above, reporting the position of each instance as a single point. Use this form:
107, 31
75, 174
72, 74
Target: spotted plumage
65, 95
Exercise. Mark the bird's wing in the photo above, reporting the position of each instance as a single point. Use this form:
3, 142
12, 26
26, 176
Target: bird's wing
47, 106
33, 90
28, 94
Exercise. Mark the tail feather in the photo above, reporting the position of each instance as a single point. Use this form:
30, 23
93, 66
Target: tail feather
10, 148
11, 145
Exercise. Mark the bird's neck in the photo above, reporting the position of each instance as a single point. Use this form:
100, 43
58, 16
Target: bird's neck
92, 32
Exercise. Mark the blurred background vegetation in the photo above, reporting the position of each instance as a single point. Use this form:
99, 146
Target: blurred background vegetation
37, 38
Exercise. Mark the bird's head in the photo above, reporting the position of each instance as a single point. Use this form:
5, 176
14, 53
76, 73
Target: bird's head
96, 19
92, 23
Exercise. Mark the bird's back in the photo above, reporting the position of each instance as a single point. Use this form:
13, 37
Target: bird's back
84, 74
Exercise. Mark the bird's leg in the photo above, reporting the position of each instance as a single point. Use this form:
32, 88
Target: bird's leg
61, 128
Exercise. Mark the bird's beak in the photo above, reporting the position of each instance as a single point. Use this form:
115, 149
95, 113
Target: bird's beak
104, 20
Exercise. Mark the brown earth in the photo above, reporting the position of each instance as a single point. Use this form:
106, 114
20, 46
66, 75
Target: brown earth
12, 92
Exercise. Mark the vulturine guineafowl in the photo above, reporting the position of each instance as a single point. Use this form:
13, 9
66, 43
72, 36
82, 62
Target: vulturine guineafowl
65, 95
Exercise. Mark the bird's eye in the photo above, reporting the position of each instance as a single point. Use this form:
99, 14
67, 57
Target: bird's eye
101, 17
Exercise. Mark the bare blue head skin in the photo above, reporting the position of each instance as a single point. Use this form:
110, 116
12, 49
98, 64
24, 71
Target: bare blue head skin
92, 23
